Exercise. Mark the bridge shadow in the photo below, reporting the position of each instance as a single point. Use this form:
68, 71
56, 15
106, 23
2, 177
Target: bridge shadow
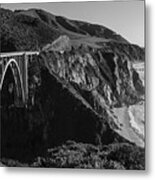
18, 141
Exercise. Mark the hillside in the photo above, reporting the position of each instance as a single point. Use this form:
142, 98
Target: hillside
32, 29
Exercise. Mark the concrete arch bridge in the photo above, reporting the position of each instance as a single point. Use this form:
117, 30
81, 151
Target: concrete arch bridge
17, 63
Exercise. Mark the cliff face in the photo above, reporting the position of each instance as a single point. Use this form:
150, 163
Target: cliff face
79, 88
107, 77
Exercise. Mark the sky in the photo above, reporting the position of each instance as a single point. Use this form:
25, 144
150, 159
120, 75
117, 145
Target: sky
124, 17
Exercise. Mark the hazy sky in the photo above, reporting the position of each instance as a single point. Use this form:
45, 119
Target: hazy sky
124, 17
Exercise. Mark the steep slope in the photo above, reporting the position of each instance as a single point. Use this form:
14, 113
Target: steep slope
91, 69
101, 80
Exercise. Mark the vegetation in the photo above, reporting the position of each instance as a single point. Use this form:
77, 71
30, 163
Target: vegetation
79, 155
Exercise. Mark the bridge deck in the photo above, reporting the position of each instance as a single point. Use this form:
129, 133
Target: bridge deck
7, 54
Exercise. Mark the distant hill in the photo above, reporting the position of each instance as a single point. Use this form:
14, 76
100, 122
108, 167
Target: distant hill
34, 28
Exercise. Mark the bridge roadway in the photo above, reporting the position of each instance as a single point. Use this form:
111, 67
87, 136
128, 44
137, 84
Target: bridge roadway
8, 54
18, 62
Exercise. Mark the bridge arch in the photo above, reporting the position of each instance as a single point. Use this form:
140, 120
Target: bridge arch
12, 63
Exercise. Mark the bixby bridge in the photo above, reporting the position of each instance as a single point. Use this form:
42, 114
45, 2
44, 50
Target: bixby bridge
17, 63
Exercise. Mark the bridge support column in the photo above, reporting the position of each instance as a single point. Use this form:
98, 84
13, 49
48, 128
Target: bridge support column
25, 77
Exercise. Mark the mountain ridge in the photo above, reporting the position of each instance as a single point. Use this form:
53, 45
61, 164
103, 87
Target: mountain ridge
32, 29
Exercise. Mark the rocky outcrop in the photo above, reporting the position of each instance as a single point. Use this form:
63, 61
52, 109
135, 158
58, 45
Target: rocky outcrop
78, 89
96, 74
